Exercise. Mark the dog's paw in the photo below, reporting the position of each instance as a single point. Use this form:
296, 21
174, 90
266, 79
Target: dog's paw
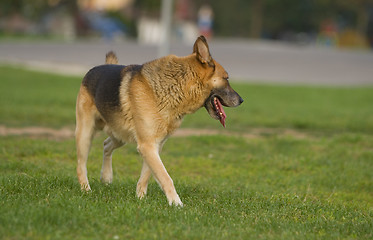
175, 201
106, 176
141, 191
85, 187
106, 179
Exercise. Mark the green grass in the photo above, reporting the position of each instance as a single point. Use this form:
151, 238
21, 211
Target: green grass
30, 98
318, 185
273, 188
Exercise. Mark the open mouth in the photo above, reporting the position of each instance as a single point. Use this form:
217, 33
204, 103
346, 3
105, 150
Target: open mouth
218, 107
219, 98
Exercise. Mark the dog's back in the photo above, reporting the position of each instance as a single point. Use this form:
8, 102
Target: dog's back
103, 83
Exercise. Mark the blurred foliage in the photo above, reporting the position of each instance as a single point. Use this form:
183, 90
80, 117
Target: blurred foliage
29, 9
278, 16
238, 18
129, 24
150, 6
34, 9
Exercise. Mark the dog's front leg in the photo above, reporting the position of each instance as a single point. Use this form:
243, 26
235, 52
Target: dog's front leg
150, 154
146, 172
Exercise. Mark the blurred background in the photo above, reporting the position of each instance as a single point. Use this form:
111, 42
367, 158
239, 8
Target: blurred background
267, 35
342, 23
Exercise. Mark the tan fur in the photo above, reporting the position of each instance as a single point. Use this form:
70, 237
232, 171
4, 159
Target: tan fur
153, 102
111, 58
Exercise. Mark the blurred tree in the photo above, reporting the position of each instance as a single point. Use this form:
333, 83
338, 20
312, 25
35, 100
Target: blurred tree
29, 9
34, 9
256, 26
237, 18
283, 16
359, 9
148, 7
255, 18
273, 18
230, 18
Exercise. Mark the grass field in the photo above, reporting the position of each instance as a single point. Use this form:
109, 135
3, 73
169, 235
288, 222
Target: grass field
316, 183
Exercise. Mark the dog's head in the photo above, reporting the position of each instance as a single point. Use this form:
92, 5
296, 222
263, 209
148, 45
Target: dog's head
216, 80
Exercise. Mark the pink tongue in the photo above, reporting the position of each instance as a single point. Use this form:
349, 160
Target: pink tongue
220, 110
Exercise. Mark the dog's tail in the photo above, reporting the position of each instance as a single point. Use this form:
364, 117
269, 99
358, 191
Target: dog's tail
111, 58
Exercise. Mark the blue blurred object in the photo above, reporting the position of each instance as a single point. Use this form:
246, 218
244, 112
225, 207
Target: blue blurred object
106, 26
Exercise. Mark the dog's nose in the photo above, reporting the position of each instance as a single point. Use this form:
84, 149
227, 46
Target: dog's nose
241, 100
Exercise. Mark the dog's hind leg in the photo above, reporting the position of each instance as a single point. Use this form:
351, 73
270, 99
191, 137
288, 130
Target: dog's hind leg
142, 184
85, 129
84, 135
110, 144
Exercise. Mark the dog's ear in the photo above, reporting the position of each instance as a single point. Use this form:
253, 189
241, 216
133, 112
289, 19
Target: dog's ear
201, 48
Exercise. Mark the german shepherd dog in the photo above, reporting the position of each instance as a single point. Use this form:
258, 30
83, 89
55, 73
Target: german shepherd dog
145, 104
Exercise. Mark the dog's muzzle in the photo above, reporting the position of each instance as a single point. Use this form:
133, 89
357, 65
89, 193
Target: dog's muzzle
222, 97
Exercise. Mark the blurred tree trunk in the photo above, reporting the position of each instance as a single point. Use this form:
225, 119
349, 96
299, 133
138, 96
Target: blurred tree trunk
256, 23
362, 18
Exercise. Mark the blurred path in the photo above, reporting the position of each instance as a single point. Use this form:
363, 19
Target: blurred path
68, 132
262, 62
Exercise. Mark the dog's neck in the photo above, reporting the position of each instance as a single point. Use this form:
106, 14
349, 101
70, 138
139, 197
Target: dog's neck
177, 83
